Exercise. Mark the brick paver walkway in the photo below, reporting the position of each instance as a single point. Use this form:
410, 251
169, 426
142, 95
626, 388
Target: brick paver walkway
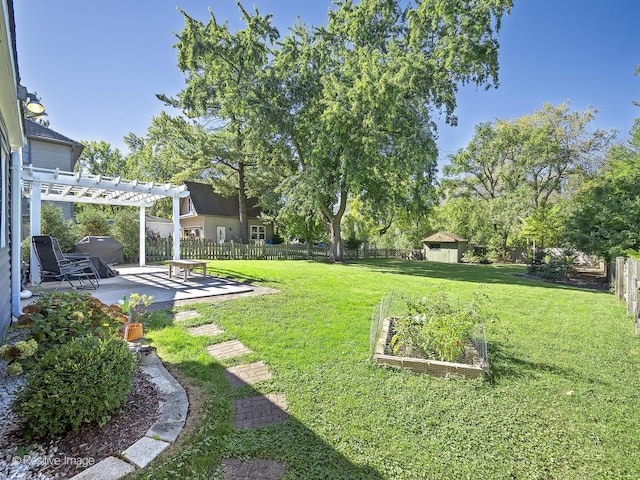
230, 349
254, 412
186, 315
247, 374
207, 330
256, 469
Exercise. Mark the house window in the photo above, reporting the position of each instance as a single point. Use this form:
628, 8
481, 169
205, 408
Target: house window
258, 232
434, 246
190, 208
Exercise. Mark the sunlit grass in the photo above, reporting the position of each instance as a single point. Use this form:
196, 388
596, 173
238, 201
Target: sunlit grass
562, 402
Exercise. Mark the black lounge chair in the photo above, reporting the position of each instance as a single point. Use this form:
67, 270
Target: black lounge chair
56, 265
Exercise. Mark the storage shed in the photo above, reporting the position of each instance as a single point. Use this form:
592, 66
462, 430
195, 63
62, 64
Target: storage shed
444, 247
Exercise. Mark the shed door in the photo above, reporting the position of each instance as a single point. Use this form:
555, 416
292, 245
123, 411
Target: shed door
221, 235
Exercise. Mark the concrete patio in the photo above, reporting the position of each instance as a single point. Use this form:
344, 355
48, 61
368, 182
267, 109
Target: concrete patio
154, 281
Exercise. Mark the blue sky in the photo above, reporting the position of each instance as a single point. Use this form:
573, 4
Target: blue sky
98, 65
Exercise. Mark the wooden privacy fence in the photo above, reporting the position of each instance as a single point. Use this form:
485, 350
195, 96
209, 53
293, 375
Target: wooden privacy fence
197, 248
626, 280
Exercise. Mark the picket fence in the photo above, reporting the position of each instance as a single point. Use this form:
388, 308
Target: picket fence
203, 249
625, 273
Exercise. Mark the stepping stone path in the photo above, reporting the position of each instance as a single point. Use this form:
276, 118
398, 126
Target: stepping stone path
230, 349
185, 315
250, 412
254, 412
256, 469
207, 330
247, 374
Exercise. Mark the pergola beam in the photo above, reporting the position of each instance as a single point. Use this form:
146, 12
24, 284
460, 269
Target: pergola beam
75, 187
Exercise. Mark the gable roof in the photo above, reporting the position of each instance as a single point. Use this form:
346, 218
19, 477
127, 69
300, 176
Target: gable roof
207, 202
35, 131
444, 237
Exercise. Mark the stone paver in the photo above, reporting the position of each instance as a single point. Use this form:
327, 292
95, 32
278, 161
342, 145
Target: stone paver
111, 468
247, 374
207, 330
144, 451
186, 315
230, 349
255, 469
254, 412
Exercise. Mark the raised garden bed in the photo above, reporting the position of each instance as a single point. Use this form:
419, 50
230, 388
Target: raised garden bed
382, 355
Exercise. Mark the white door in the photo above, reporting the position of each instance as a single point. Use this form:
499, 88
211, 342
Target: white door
222, 234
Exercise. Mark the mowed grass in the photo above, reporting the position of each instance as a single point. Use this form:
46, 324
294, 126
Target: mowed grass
562, 402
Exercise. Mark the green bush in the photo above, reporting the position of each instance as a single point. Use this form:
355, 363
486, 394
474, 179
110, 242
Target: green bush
126, 230
54, 224
86, 380
59, 317
435, 328
92, 222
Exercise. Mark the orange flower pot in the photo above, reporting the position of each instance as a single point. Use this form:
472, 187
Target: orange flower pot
132, 331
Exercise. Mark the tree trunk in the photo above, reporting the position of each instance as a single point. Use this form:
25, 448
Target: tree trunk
242, 205
335, 237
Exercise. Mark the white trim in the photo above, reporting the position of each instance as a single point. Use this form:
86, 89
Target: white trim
75, 187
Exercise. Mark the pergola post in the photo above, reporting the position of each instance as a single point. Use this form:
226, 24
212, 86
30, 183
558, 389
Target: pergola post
34, 219
176, 228
143, 236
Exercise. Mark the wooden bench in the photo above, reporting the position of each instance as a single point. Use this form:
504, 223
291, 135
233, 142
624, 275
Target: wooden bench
187, 266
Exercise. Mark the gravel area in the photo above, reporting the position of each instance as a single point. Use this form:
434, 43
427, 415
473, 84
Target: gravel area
65, 456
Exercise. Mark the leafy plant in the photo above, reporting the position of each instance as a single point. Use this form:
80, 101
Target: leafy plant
126, 230
85, 380
17, 353
92, 221
435, 328
57, 318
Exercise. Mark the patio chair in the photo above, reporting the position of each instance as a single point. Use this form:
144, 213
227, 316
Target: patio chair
56, 265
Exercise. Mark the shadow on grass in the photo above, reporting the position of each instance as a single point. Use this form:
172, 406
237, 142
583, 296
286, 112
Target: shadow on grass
505, 364
461, 272
238, 276
291, 442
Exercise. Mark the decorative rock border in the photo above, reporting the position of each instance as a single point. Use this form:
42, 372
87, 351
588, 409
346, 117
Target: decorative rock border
419, 365
173, 414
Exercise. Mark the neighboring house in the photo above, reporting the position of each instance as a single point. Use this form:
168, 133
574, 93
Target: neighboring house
47, 148
207, 214
162, 227
11, 144
444, 247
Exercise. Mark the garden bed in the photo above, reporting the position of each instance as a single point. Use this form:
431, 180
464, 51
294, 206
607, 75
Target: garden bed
475, 368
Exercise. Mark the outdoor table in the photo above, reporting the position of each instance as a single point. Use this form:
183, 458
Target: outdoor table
187, 266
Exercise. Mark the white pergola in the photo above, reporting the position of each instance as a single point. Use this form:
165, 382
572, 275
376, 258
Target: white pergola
40, 184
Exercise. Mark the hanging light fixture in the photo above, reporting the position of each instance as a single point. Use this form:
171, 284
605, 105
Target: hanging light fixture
33, 107
33, 104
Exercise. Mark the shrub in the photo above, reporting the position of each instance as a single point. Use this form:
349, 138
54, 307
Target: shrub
54, 224
92, 222
434, 328
469, 256
18, 353
57, 318
86, 380
352, 243
126, 230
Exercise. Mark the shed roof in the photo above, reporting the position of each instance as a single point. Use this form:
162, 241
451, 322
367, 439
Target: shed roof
207, 202
444, 237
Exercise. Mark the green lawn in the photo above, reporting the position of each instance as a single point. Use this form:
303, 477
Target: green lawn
563, 403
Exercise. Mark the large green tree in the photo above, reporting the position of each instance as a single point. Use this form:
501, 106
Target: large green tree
223, 71
604, 220
520, 168
356, 98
